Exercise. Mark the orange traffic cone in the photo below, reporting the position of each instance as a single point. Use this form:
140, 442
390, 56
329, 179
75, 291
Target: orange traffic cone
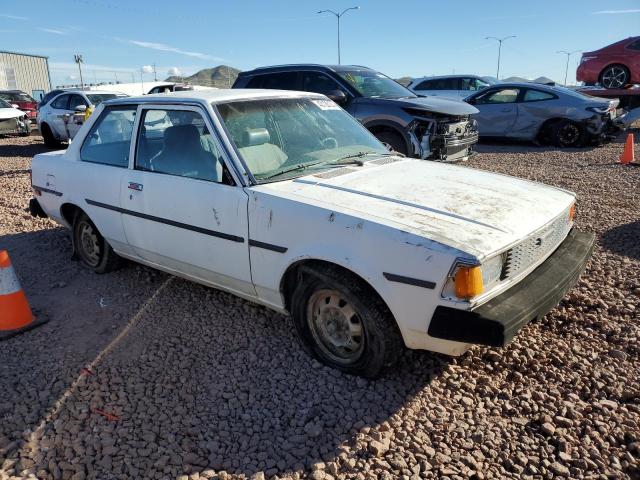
628, 156
15, 314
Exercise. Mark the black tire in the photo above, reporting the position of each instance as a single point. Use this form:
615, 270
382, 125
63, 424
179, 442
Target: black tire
380, 342
47, 136
567, 134
615, 76
91, 248
392, 140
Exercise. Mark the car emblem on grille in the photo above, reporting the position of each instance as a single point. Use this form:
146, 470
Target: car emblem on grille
538, 242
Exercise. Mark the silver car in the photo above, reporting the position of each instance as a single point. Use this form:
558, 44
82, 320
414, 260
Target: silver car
543, 113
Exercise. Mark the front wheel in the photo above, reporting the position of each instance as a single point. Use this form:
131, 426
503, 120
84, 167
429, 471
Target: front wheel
568, 134
393, 141
342, 322
91, 247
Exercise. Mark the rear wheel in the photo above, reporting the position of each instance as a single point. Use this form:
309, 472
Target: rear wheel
392, 140
615, 76
47, 136
91, 247
566, 133
342, 322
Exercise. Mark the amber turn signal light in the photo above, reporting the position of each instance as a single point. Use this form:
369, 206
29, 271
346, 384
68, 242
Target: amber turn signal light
572, 212
468, 282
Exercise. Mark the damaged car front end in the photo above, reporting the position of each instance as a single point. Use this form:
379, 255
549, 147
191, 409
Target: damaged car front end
442, 138
13, 121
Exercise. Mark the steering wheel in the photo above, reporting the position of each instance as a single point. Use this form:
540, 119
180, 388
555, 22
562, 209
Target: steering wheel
329, 142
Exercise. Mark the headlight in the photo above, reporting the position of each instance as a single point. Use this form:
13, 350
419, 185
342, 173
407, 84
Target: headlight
469, 281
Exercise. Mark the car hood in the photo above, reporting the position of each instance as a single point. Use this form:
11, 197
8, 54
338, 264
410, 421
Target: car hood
474, 211
7, 113
445, 106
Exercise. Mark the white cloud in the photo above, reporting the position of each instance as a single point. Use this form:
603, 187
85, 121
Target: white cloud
13, 17
53, 31
147, 69
615, 12
167, 48
174, 71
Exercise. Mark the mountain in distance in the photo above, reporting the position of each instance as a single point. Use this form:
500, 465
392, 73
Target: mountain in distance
404, 80
221, 76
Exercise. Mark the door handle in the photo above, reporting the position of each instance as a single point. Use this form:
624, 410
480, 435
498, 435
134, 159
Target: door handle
135, 186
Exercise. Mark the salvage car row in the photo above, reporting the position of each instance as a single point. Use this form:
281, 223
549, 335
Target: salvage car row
283, 198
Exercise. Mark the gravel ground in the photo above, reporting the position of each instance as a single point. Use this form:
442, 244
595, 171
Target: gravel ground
141, 375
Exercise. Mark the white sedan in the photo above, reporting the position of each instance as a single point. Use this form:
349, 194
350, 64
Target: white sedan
284, 199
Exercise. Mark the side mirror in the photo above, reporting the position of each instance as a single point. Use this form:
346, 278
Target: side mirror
81, 108
337, 96
14, 105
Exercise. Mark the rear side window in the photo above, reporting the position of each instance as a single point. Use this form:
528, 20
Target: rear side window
537, 96
319, 83
426, 85
439, 84
110, 137
61, 102
634, 45
275, 81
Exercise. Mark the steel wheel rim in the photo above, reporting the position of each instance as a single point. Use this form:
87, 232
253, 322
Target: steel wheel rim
89, 244
336, 326
614, 77
569, 134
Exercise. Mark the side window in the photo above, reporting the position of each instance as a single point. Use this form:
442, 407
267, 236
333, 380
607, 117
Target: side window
76, 101
426, 85
255, 82
109, 139
178, 142
319, 83
634, 45
504, 95
280, 81
537, 96
472, 84
61, 102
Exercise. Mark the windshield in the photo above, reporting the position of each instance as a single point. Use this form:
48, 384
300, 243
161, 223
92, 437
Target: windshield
278, 138
372, 84
16, 97
98, 98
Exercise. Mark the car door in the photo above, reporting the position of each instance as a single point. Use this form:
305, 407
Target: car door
498, 111
534, 108
56, 118
182, 210
97, 177
75, 119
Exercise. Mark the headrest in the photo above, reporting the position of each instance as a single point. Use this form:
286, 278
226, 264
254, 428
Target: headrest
255, 136
181, 135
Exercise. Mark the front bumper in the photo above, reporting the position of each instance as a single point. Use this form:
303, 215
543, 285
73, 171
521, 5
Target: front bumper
496, 322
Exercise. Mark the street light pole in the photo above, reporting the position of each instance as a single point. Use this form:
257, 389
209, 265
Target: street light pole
499, 40
566, 69
338, 16
78, 59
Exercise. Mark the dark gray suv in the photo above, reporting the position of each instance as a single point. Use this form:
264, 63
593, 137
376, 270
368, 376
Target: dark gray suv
417, 126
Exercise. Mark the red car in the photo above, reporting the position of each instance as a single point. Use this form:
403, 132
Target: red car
23, 101
614, 66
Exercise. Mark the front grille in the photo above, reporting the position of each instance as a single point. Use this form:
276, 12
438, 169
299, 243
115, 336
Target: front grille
535, 247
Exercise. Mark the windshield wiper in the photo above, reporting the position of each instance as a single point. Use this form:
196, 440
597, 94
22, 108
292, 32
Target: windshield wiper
300, 166
354, 158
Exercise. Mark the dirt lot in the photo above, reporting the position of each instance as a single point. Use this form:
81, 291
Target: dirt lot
195, 383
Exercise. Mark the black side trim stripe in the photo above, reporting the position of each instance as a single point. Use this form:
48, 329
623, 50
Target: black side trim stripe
47, 190
204, 231
267, 246
392, 277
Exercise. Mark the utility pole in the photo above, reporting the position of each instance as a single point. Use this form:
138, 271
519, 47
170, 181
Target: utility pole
566, 68
78, 59
338, 16
499, 40
155, 76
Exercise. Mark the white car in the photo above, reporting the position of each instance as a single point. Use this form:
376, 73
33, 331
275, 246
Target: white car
58, 119
12, 120
284, 199
450, 86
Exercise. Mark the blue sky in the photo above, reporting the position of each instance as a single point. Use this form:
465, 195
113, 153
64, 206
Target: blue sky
412, 37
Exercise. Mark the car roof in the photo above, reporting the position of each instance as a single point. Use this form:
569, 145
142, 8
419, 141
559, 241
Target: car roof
213, 96
303, 66
435, 77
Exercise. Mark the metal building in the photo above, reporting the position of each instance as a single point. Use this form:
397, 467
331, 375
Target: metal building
26, 72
